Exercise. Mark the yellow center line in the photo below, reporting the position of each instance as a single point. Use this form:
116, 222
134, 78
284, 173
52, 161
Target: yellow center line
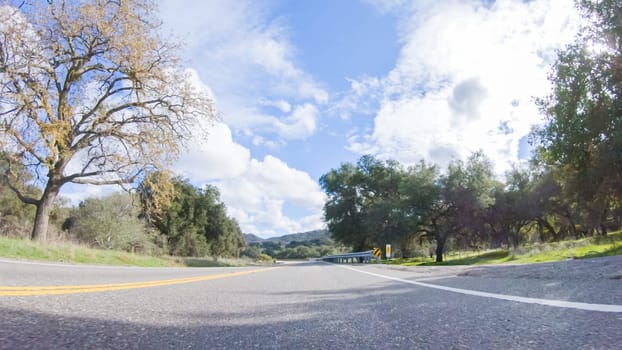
92, 288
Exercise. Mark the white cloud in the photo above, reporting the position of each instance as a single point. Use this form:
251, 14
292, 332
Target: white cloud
300, 124
465, 69
282, 105
262, 141
218, 157
247, 59
272, 179
256, 192
272, 131
467, 97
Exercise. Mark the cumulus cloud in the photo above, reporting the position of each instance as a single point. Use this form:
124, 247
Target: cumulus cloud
256, 198
247, 59
465, 78
216, 158
282, 105
300, 124
256, 192
467, 97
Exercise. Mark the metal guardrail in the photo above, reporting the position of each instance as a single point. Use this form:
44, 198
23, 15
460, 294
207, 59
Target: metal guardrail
357, 257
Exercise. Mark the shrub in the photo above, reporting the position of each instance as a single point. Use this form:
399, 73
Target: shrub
110, 223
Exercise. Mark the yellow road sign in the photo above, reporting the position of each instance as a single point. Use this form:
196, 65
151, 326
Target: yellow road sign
377, 252
388, 251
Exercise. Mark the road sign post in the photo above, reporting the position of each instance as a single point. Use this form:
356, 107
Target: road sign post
388, 251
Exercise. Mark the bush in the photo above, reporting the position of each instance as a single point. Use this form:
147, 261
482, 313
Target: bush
264, 258
252, 252
110, 223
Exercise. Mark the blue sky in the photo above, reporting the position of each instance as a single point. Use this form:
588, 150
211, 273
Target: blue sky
341, 39
303, 85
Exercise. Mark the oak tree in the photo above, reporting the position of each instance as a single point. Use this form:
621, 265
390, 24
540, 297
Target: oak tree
90, 93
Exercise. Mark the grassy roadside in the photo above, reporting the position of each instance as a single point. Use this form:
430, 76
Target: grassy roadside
591, 247
23, 249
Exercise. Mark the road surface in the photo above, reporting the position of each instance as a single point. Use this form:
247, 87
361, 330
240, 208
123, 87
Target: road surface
567, 305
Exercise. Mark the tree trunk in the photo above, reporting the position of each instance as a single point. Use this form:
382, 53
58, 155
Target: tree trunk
603, 222
544, 223
514, 237
572, 227
440, 247
42, 215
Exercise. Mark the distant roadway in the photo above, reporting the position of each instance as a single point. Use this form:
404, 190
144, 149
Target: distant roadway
312, 305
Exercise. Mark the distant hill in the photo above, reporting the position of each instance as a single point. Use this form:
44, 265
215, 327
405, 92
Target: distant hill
320, 235
302, 245
251, 238
317, 235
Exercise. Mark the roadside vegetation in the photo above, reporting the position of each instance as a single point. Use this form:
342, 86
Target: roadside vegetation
591, 247
68, 252
122, 229
16, 248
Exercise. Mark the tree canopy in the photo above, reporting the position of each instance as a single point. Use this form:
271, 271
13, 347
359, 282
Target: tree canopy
582, 134
194, 222
376, 202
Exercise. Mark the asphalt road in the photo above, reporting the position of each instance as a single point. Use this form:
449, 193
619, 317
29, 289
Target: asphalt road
312, 306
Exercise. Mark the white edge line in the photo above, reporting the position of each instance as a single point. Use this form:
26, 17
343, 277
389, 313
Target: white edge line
547, 302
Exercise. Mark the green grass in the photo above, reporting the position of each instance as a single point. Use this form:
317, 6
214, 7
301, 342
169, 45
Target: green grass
592, 247
25, 249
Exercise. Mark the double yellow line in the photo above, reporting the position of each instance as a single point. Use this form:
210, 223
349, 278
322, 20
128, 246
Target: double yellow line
8, 291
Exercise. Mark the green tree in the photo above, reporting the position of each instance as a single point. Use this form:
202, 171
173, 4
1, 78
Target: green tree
343, 209
554, 195
376, 202
514, 208
181, 220
222, 232
193, 220
464, 191
252, 251
91, 94
420, 197
271, 248
364, 203
583, 113
383, 214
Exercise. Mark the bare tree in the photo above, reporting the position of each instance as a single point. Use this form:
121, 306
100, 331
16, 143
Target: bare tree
90, 93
